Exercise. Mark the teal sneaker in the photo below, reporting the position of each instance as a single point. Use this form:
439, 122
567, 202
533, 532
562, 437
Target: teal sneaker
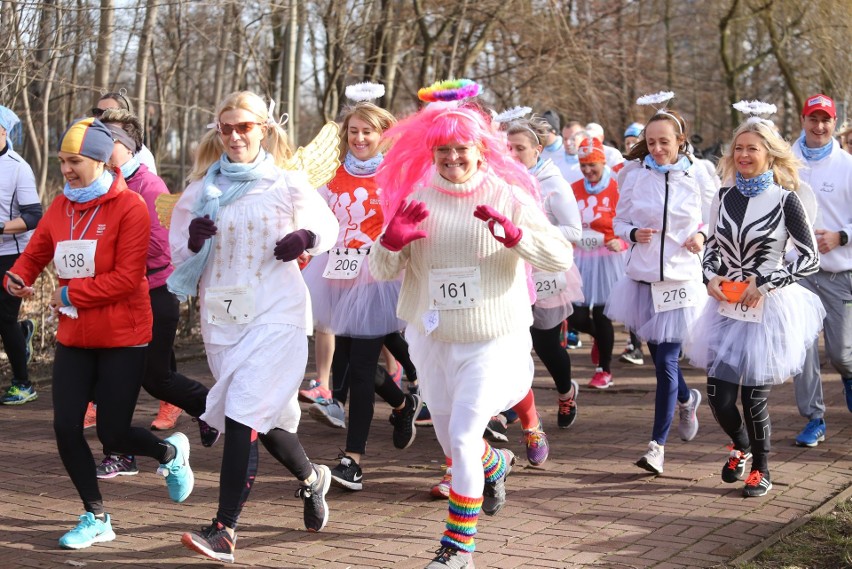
90, 530
179, 477
17, 395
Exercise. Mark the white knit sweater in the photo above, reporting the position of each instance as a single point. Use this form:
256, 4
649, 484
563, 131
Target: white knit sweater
457, 239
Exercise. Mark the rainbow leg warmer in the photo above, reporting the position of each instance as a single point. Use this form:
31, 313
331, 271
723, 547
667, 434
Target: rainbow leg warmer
461, 522
493, 463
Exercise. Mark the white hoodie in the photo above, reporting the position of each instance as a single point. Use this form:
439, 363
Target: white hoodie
558, 201
831, 180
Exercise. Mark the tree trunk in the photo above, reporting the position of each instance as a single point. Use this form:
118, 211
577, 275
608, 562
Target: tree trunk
146, 38
102, 54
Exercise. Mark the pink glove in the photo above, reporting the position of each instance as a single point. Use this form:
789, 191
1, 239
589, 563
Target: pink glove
401, 229
512, 232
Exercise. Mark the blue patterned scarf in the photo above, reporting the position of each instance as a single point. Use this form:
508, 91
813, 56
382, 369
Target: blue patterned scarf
184, 280
814, 154
129, 168
602, 183
94, 190
754, 186
362, 167
537, 167
682, 164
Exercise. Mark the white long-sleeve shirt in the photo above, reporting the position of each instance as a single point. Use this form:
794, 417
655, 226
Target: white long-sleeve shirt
558, 201
831, 181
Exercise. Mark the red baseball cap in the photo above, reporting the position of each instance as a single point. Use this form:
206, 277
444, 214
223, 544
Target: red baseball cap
819, 102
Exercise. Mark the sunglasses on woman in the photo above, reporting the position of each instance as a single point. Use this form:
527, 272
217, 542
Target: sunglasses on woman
241, 128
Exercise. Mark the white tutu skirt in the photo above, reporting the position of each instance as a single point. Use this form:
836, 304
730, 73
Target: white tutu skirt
600, 270
360, 308
630, 303
550, 311
758, 353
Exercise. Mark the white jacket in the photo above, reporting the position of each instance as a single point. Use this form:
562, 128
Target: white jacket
558, 201
677, 205
831, 180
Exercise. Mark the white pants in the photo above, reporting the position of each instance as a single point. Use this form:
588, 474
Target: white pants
464, 385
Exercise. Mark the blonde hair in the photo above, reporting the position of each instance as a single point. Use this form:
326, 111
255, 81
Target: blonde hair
379, 120
210, 147
782, 162
535, 129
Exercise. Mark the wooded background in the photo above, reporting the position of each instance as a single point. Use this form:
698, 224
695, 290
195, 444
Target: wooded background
587, 59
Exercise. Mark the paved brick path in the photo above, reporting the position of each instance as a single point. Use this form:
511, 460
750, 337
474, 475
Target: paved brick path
588, 507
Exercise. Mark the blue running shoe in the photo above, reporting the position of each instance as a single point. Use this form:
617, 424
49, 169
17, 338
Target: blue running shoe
847, 386
812, 434
17, 395
179, 477
90, 530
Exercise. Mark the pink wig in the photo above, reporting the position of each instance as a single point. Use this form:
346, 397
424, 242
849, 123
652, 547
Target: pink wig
409, 161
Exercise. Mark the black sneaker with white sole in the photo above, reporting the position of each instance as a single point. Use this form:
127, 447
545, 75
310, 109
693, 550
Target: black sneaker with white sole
757, 484
347, 474
213, 541
735, 467
313, 495
404, 429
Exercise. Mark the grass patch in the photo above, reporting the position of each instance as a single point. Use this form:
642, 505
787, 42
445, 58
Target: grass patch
825, 542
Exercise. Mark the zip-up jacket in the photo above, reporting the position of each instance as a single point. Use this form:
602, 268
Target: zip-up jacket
114, 310
677, 205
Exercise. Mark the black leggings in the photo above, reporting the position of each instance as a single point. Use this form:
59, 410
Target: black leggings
240, 462
353, 372
161, 378
756, 431
14, 343
111, 376
398, 347
599, 327
546, 344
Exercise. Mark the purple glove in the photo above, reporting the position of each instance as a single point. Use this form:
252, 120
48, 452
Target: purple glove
200, 230
492, 216
401, 229
293, 244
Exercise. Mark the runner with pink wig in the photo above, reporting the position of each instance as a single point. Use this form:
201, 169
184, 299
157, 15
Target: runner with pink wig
463, 241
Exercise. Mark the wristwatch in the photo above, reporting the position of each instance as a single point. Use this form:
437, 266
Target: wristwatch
844, 238
2, 228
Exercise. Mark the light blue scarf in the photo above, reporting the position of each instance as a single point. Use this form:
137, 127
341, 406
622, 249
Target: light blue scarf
571, 159
129, 168
602, 183
555, 145
362, 167
94, 190
184, 280
754, 186
814, 154
537, 167
682, 164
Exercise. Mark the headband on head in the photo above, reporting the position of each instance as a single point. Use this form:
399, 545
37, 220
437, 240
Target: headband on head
660, 98
591, 151
120, 135
526, 127
360, 92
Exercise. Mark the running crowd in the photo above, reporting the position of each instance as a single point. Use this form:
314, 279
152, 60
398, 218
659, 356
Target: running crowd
444, 248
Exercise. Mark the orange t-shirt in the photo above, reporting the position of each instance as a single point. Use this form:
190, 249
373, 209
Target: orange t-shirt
597, 210
355, 202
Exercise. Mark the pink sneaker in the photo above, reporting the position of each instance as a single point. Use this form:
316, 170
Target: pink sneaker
442, 488
601, 379
315, 392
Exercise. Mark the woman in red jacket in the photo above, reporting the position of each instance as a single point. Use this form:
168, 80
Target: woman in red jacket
97, 233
